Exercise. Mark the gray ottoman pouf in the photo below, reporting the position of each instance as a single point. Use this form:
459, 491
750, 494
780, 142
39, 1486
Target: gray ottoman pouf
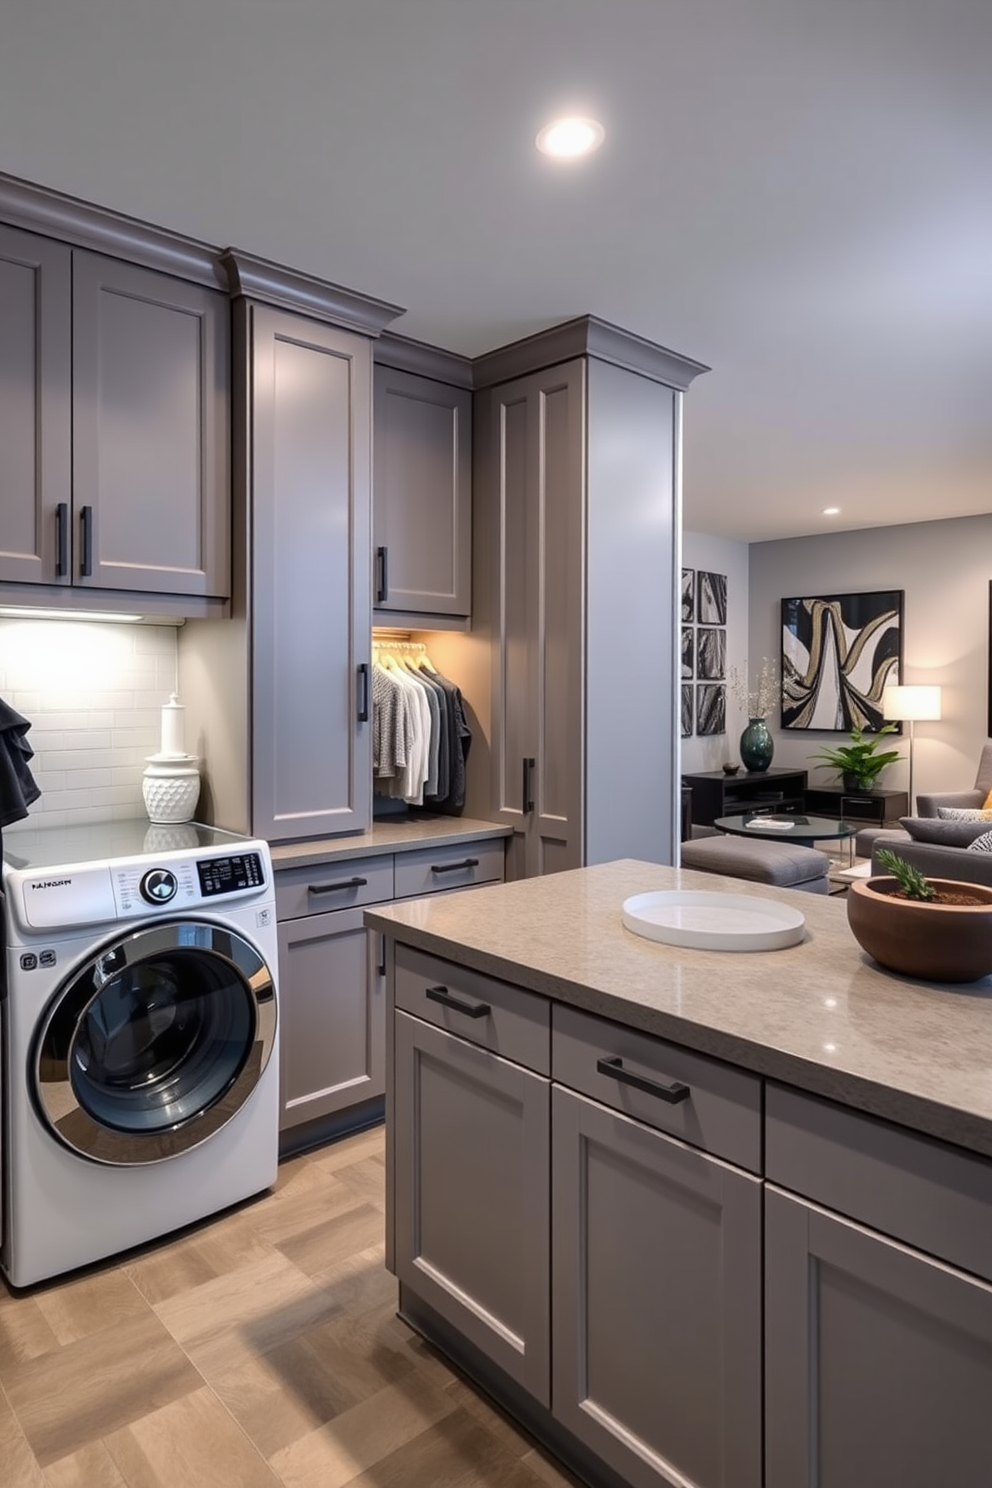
785, 864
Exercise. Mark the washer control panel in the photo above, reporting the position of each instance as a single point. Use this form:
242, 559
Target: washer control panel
229, 874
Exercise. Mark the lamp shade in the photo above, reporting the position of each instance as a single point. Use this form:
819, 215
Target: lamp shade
910, 704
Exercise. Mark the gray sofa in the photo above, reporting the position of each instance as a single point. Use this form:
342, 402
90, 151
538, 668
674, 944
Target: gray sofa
941, 849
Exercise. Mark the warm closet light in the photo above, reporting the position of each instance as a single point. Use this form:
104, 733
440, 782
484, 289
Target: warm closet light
831, 511
566, 139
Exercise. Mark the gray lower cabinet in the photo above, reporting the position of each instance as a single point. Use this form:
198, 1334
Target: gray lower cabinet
656, 1301
422, 511
92, 498
332, 1039
308, 425
878, 1359
471, 1135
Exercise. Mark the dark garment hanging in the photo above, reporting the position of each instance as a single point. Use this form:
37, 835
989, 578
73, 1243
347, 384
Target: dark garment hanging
459, 742
18, 789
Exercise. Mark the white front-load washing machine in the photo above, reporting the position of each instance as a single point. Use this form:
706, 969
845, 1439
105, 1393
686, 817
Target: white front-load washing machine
140, 1071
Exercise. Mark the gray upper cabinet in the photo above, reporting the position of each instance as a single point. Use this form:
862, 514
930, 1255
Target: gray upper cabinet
150, 455
422, 504
308, 453
36, 408
114, 430
576, 515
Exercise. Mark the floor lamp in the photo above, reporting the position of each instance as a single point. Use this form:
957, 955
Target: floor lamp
910, 705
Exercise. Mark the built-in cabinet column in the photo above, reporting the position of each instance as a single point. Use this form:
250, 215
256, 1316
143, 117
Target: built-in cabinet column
309, 421
576, 521
533, 430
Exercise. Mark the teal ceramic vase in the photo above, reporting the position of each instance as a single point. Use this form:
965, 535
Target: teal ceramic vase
756, 746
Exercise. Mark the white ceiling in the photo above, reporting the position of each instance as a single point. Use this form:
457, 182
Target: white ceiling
796, 192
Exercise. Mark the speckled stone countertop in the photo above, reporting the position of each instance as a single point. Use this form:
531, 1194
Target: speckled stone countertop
391, 835
819, 1015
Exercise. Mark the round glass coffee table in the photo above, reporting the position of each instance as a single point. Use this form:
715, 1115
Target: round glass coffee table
787, 827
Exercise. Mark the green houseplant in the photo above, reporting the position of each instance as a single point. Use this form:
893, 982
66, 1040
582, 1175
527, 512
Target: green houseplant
860, 763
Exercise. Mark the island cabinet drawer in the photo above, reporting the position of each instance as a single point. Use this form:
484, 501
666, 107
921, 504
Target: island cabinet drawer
456, 866
507, 1020
924, 1192
333, 885
702, 1101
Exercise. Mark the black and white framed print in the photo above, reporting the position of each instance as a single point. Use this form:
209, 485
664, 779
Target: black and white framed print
687, 710
688, 595
711, 598
688, 652
838, 653
711, 708
711, 653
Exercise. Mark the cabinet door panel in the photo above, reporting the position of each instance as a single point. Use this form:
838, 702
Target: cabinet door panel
312, 762
422, 503
471, 1166
332, 1034
35, 409
657, 1302
150, 430
879, 1360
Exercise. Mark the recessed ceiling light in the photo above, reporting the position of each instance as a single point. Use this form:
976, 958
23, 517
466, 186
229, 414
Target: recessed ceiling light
567, 139
831, 511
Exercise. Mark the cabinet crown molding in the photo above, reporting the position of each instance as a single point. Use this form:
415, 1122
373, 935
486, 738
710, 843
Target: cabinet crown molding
259, 279
586, 336
40, 210
404, 354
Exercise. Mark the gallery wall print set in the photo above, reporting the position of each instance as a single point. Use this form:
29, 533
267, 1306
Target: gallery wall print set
704, 652
839, 651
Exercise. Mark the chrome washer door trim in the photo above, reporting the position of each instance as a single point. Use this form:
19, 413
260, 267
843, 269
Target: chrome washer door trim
59, 1033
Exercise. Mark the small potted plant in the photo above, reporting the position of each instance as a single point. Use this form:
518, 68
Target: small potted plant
936, 928
860, 763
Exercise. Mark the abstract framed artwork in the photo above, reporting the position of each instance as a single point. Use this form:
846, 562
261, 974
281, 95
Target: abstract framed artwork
839, 651
687, 710
688, 595
688, 652
711, 653
711, 708
711, 598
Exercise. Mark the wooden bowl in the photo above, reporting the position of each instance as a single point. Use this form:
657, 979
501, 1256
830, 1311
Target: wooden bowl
937, 942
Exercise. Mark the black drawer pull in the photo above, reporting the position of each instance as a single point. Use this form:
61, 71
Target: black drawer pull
672, 1093
382, 575
363, 693
62, 539
341, 883
470, 1009
454, 867
381, 968
86, 527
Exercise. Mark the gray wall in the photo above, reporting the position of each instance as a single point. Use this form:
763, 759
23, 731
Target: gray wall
944, 570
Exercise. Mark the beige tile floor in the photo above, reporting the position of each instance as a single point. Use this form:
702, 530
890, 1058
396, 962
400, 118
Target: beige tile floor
259, 1349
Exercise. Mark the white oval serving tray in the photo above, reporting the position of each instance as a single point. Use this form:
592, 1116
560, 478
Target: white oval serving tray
713, 922
769, 824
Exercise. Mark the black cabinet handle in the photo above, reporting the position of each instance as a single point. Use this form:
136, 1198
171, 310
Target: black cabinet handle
363, 692
454, 867
470, 1009
86, 525
527, 799
333, 888
381, 968
381, 575
672, 1093
62, 539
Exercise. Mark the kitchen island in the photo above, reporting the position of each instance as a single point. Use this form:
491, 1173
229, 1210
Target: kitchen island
695, 1217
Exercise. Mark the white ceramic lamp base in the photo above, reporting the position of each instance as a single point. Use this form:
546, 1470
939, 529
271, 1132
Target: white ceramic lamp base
171, 789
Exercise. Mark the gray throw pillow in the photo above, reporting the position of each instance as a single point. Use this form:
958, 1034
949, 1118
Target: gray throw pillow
981, 844
964, 813
945, 833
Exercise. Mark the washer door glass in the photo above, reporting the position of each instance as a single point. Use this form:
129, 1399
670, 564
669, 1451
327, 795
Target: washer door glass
156, 1043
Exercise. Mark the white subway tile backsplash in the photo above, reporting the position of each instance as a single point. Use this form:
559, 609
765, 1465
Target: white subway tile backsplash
93, 695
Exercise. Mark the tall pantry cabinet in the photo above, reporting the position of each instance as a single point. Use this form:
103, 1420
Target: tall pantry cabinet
281, 699
577, 509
